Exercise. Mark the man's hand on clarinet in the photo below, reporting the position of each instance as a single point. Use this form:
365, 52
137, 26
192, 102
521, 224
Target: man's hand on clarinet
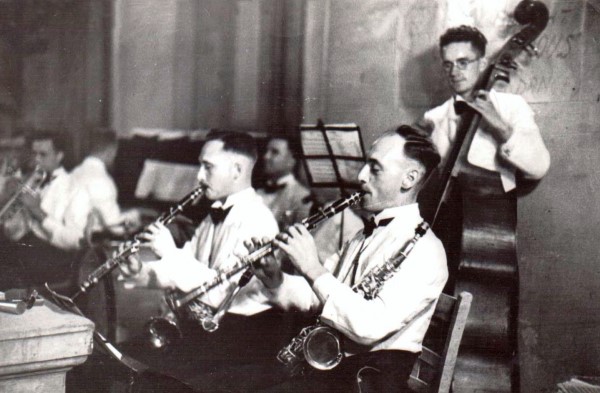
299, 245
159, 239
131, 265
268, 268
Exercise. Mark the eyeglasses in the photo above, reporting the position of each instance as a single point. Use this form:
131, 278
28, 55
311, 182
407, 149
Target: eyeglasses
460, 64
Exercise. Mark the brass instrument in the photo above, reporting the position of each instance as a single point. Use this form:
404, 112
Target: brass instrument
320, 345
31, 185
189, 305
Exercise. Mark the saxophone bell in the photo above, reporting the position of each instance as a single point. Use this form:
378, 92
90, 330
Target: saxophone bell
322, 348
318, 345
163, 331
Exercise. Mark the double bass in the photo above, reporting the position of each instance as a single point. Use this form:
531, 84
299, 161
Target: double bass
483, 233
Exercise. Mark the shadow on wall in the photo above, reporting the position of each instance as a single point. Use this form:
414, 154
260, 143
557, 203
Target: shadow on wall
422, 81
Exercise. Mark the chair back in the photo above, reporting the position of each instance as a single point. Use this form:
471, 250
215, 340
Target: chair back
434, 369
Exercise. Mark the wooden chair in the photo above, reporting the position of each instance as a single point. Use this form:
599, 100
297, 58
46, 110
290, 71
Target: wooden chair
434, 368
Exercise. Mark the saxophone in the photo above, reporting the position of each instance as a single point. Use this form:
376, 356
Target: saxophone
320, 345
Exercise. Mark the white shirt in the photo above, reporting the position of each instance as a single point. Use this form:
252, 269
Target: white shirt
67, 208
92, 175
524, 151
290, 204
214, 247
399, 316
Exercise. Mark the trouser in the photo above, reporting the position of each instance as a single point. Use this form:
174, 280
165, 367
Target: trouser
239, 342
379, 371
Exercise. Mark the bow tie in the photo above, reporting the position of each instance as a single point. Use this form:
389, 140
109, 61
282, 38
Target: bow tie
370, 225
47, 180
461, 107
218, 214
270, 188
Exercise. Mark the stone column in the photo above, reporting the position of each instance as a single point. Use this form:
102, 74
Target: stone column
38, 347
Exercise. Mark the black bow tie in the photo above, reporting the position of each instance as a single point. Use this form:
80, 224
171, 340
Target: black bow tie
47, 180
370, 225
461, 107
270, 188
218, 214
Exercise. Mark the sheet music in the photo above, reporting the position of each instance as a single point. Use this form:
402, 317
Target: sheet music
166, 181
313, 143
349, 169
321, 170
333, 154
344, 143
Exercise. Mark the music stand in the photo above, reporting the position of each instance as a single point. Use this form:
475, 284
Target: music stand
333, 155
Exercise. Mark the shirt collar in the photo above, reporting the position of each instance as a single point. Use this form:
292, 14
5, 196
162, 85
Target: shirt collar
405, 212
95, 161
283, 180
60, 171
235, 198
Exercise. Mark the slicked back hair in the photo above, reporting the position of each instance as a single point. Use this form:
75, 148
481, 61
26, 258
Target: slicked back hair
464, 33
418, 146
237, 142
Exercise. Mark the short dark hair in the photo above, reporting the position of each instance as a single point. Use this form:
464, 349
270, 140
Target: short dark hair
464, 33
419, 146
59, 141
293, 144
237, 142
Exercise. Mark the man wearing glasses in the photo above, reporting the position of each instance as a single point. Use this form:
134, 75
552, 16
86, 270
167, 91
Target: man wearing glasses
508, 140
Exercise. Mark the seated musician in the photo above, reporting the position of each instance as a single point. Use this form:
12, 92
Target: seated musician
508, 140
237, 213
383, 336
290, 201
93, 174
55, 216
287, 198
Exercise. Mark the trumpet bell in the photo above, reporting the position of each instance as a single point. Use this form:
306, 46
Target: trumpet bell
322, 349
163, 332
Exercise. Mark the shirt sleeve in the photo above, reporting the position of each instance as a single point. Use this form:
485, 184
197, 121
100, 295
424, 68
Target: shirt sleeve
295, 293
68, 232
180, 269
414, 288
525, 149
103, 195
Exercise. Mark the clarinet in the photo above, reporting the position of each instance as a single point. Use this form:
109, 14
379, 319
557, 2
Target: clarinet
308, 344
175, 302
94, 277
